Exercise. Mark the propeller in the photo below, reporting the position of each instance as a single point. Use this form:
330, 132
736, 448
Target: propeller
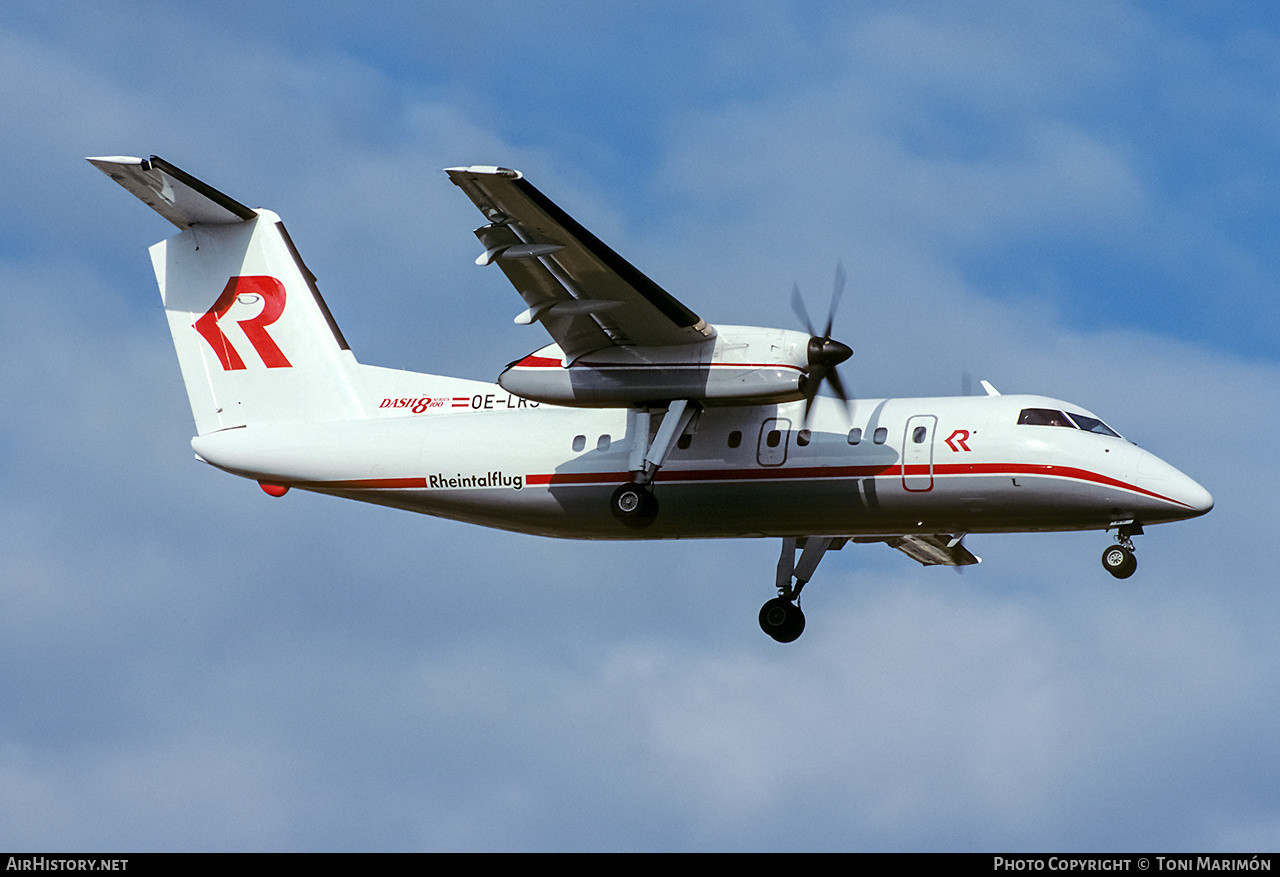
824, 354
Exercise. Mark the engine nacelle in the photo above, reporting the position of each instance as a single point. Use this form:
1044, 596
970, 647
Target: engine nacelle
741, 365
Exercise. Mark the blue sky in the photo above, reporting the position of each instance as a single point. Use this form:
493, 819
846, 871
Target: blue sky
1078, 200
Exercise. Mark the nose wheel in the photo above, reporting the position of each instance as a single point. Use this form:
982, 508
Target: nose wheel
1119, 559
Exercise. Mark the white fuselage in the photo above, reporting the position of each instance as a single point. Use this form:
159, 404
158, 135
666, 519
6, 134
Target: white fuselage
476, 453
640, 421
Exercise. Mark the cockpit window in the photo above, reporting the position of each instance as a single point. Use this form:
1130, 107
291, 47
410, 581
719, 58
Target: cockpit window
1044, 417
1053, 417
1093, 424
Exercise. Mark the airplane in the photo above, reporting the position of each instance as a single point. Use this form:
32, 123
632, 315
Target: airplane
640, 421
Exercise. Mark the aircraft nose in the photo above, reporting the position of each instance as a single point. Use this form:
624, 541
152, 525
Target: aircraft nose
1175, 485
1195, 496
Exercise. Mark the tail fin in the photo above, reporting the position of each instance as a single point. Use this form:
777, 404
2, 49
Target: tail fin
255, 341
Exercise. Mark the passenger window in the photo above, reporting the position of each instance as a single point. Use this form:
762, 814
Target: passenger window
880, 435
602, 443
855, 435
735, 438
579, 442
773, 438
684, 442
918, 434
802, 437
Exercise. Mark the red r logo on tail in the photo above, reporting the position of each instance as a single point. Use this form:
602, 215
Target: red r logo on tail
255, 329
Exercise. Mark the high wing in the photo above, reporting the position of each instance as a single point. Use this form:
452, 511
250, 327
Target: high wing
586, 295
941, 549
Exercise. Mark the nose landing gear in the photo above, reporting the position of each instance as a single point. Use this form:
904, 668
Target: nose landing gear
1119, 559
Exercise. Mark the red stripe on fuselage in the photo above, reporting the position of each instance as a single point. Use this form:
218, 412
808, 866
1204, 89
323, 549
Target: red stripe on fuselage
837, 472
799, 473
366, 484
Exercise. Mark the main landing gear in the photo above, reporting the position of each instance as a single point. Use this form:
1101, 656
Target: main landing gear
633, 503
1119, 559
781, 617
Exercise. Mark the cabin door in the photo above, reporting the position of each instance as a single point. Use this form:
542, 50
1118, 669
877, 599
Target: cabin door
917, 453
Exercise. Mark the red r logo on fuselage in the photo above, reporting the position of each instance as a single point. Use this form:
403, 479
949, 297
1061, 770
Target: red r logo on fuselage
959, 437
271, 291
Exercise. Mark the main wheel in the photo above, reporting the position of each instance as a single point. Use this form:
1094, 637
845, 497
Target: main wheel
634, 505
1119, 561
782, 620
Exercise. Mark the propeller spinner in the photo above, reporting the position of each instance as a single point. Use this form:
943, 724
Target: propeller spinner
824, 353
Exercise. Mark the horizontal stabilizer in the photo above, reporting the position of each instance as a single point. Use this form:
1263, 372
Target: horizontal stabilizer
255, 341
172, 192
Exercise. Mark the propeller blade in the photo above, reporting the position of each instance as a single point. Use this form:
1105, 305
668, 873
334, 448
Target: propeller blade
812, 382
837, 290
823, 353
834, 380
797, 305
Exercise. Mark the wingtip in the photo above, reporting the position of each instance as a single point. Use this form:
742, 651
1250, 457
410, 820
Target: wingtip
113, 159
486, 170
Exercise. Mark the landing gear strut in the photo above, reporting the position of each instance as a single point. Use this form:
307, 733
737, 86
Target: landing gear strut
781, 617
633, 503
1119, 559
